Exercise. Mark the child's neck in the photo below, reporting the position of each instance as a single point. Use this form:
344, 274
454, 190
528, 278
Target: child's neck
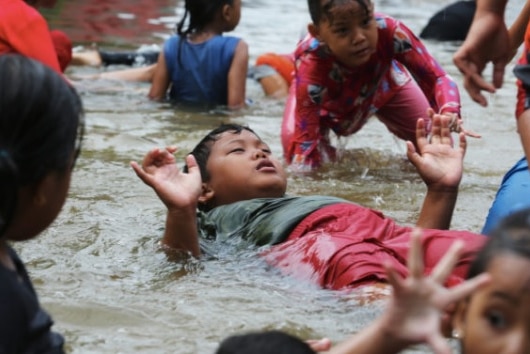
207, 32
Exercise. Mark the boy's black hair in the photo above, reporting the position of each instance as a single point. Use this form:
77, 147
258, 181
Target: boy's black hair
202, 150
269, 342
41, 127
322, 9
201, 13
512, 236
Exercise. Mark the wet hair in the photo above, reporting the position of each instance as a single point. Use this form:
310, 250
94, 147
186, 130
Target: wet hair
511, 236
327, 9
41, 127
200, 13
202, 150
269, 342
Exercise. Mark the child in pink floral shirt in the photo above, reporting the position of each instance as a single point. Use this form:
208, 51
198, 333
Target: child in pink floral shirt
354, 64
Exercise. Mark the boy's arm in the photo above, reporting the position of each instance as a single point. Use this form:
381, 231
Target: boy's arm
304, 145
440, 166
179, 192
435, 83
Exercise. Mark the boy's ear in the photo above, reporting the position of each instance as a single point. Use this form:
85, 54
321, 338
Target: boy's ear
313, 30
207, 194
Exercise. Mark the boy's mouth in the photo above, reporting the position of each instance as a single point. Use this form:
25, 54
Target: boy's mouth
265, 164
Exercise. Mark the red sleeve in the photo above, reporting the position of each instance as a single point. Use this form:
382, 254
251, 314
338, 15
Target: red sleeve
310, 143
28, 34
439, 88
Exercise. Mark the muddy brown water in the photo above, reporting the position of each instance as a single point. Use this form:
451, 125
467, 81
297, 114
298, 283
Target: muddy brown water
99, 269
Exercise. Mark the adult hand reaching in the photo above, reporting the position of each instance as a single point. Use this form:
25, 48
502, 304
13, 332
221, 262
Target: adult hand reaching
487, 41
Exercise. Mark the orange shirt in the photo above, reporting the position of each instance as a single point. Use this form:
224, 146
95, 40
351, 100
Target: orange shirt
23, 30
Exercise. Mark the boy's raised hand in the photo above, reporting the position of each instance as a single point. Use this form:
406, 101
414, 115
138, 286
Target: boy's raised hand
175, 188
439, 164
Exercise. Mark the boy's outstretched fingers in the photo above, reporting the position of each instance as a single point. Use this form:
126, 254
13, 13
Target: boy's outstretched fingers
444, 267
193, 168
415, 260
464, 289
421, 133
158, 157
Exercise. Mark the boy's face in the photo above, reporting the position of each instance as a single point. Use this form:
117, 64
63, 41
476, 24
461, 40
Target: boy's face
496, 319
349, 32
241, 167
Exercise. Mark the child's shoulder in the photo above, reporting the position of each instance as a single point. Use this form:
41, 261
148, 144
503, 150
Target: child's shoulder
385, 21
214, 42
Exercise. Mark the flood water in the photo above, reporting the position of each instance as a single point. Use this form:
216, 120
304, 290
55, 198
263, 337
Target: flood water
99, 270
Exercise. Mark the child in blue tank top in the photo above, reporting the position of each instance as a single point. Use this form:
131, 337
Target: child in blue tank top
199, 66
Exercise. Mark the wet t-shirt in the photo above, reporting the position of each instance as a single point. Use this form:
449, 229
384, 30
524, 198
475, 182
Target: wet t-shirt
24, 326
262, 221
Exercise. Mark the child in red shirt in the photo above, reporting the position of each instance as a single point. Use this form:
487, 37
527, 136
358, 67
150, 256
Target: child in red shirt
23, 30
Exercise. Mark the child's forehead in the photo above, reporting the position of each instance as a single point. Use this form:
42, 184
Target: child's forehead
509, 270
230, 137
334, 10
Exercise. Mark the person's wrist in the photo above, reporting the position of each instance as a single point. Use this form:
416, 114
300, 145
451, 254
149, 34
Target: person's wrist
388, 328
443, 189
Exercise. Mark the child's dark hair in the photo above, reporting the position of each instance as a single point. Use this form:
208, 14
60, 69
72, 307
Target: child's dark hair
325, 9
270, 342
41, 127
201, 13
512, 235
202, 150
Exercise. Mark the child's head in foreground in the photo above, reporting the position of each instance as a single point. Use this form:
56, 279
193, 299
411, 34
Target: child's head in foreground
346, 27
496, 317
41, 124
204, 13
237, 165
270, 342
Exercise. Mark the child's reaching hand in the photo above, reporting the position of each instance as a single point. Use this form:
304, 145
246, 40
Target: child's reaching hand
176, 189
438, 163
456, 124
418, 302
416, 307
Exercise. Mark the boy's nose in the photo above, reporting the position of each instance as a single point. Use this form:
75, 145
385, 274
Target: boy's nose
259, 153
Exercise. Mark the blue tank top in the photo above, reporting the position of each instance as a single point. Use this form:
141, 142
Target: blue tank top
199, 72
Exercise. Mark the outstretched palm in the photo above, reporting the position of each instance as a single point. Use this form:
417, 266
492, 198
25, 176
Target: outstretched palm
418, 302
437, 161
175, 188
